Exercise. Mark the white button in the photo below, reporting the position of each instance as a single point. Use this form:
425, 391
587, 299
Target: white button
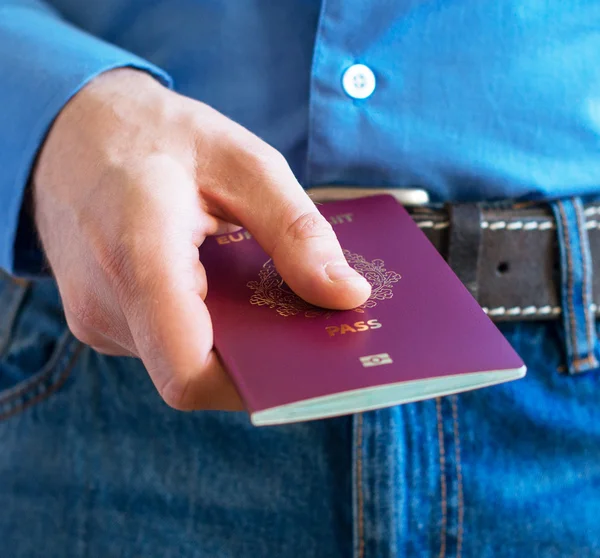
359, 81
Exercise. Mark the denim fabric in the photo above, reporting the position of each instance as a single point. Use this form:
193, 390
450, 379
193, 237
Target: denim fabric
93, 464
508, 471
576, 277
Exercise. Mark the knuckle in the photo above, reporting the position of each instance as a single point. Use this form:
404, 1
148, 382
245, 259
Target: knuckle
308, 226
126, 267
88, 321
84, 311
81, 332
93, 320
115, 260
263, 159
173, 392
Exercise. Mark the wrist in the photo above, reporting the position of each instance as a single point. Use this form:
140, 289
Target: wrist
120, 82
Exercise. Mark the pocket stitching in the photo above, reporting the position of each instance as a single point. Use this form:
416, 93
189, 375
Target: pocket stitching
49, 379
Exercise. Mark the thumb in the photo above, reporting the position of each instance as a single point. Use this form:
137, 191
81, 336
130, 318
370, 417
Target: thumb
308, 256
301, 242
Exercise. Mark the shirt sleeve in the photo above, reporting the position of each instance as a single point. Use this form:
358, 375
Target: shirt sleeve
44, 61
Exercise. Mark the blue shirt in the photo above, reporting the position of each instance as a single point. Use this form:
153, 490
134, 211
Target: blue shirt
471, 100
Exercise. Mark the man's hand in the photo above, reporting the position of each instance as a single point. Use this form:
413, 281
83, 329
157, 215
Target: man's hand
130, 181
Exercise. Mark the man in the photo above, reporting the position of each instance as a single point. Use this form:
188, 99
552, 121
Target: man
132, 130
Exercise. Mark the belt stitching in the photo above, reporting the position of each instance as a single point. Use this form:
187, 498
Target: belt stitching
508, 225
528, 226
528, 310
531, 225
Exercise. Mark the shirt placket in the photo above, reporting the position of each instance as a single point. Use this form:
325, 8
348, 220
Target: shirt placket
342, 84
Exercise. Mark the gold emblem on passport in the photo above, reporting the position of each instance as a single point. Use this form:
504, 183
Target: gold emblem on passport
271, 290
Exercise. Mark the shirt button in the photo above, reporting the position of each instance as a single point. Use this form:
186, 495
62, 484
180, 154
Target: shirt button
358, 81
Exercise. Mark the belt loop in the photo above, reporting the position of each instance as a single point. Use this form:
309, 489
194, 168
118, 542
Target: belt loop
464, 247
576, 286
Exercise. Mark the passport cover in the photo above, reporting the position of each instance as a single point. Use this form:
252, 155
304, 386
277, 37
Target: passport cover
420, 335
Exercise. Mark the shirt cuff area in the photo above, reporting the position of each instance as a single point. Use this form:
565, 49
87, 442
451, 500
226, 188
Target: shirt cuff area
44, 61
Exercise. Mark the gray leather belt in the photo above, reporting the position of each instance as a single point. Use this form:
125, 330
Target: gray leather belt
511, 262
506, 256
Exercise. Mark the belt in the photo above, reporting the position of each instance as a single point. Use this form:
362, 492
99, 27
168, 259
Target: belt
507, 256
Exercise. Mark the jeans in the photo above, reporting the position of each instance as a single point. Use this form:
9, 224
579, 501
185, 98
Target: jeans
94, 464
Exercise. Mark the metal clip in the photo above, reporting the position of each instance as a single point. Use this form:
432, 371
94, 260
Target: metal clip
406, 196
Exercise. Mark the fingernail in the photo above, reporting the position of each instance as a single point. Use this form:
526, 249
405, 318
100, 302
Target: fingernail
338, 271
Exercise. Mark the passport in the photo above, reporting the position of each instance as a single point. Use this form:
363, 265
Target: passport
420, 334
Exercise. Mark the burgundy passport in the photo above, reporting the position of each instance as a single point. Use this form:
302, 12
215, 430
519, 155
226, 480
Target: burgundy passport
420, 334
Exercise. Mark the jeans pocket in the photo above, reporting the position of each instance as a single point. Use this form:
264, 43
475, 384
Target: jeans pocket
37, 350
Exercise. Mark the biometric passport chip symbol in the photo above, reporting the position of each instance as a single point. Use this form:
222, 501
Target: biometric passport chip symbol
375, 360
270, 289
